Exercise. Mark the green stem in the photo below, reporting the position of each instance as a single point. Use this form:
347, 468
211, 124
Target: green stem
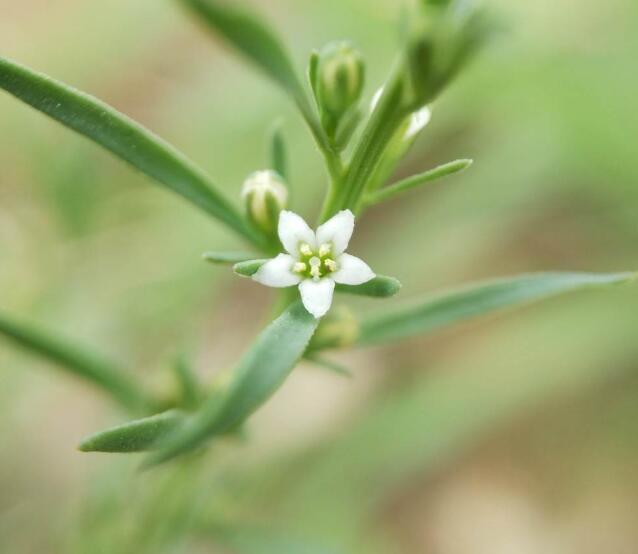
380, 129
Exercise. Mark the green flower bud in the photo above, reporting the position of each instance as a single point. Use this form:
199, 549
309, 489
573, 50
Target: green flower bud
442, 37
265, 194
339, 78
338, 329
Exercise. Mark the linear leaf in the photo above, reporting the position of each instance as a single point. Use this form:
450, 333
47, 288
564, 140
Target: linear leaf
278, 154
134, 436
442, 310
417, 180
77, 361
261, 371
379, 287
123, 137
189, 387
225, 258
251, 37
257, 42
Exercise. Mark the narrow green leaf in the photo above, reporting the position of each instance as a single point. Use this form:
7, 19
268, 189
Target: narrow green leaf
379, 287
418, 180
261, 371
257, 42
278, 156
251, 37
123, 137
448, 308
188, 383
87, 365
134, 436
248, 268
313, 68
226, 258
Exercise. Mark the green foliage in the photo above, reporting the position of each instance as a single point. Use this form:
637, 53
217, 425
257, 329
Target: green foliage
278, 153
135, 436
78, 361
442, 310
410, 183
250, 36
260, 372
124, 137
227, 258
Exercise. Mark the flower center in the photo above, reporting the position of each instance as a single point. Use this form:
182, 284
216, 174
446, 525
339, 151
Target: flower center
315, 264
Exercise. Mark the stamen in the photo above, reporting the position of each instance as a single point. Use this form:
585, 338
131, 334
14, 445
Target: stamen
305, 249
330, 264
325, 249
299, 267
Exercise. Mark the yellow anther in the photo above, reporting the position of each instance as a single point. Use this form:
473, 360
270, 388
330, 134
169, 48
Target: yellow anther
325, 249
330, 264
305, 249
299, 267
315, 272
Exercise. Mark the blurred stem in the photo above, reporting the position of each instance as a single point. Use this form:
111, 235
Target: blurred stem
332, 159
380, 129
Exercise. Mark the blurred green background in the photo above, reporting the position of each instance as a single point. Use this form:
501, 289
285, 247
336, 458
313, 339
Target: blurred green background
515, 434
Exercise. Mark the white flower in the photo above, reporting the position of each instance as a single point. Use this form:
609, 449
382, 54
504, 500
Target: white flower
314, 261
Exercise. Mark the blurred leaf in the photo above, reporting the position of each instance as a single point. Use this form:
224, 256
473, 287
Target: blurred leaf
188, 383
251, 37
417, 180
261, 371
134, 436
278, 156
227, 257
471, 301
82, 363
123, 137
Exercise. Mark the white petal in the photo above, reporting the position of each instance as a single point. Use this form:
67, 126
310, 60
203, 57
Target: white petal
418, 120
337, 230
278, 272
317, 295
352, 271
294, 230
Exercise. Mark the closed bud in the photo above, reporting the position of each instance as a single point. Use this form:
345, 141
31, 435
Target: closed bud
265, 194
339, 79
338, 329
442, 36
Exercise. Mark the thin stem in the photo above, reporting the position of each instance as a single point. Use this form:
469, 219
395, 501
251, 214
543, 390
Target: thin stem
415, 181
380, 129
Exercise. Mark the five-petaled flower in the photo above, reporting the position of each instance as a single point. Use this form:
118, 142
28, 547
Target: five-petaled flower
314, 261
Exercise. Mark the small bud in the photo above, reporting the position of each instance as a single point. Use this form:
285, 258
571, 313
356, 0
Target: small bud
339, 79
265, 195
338, 329
442, 37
